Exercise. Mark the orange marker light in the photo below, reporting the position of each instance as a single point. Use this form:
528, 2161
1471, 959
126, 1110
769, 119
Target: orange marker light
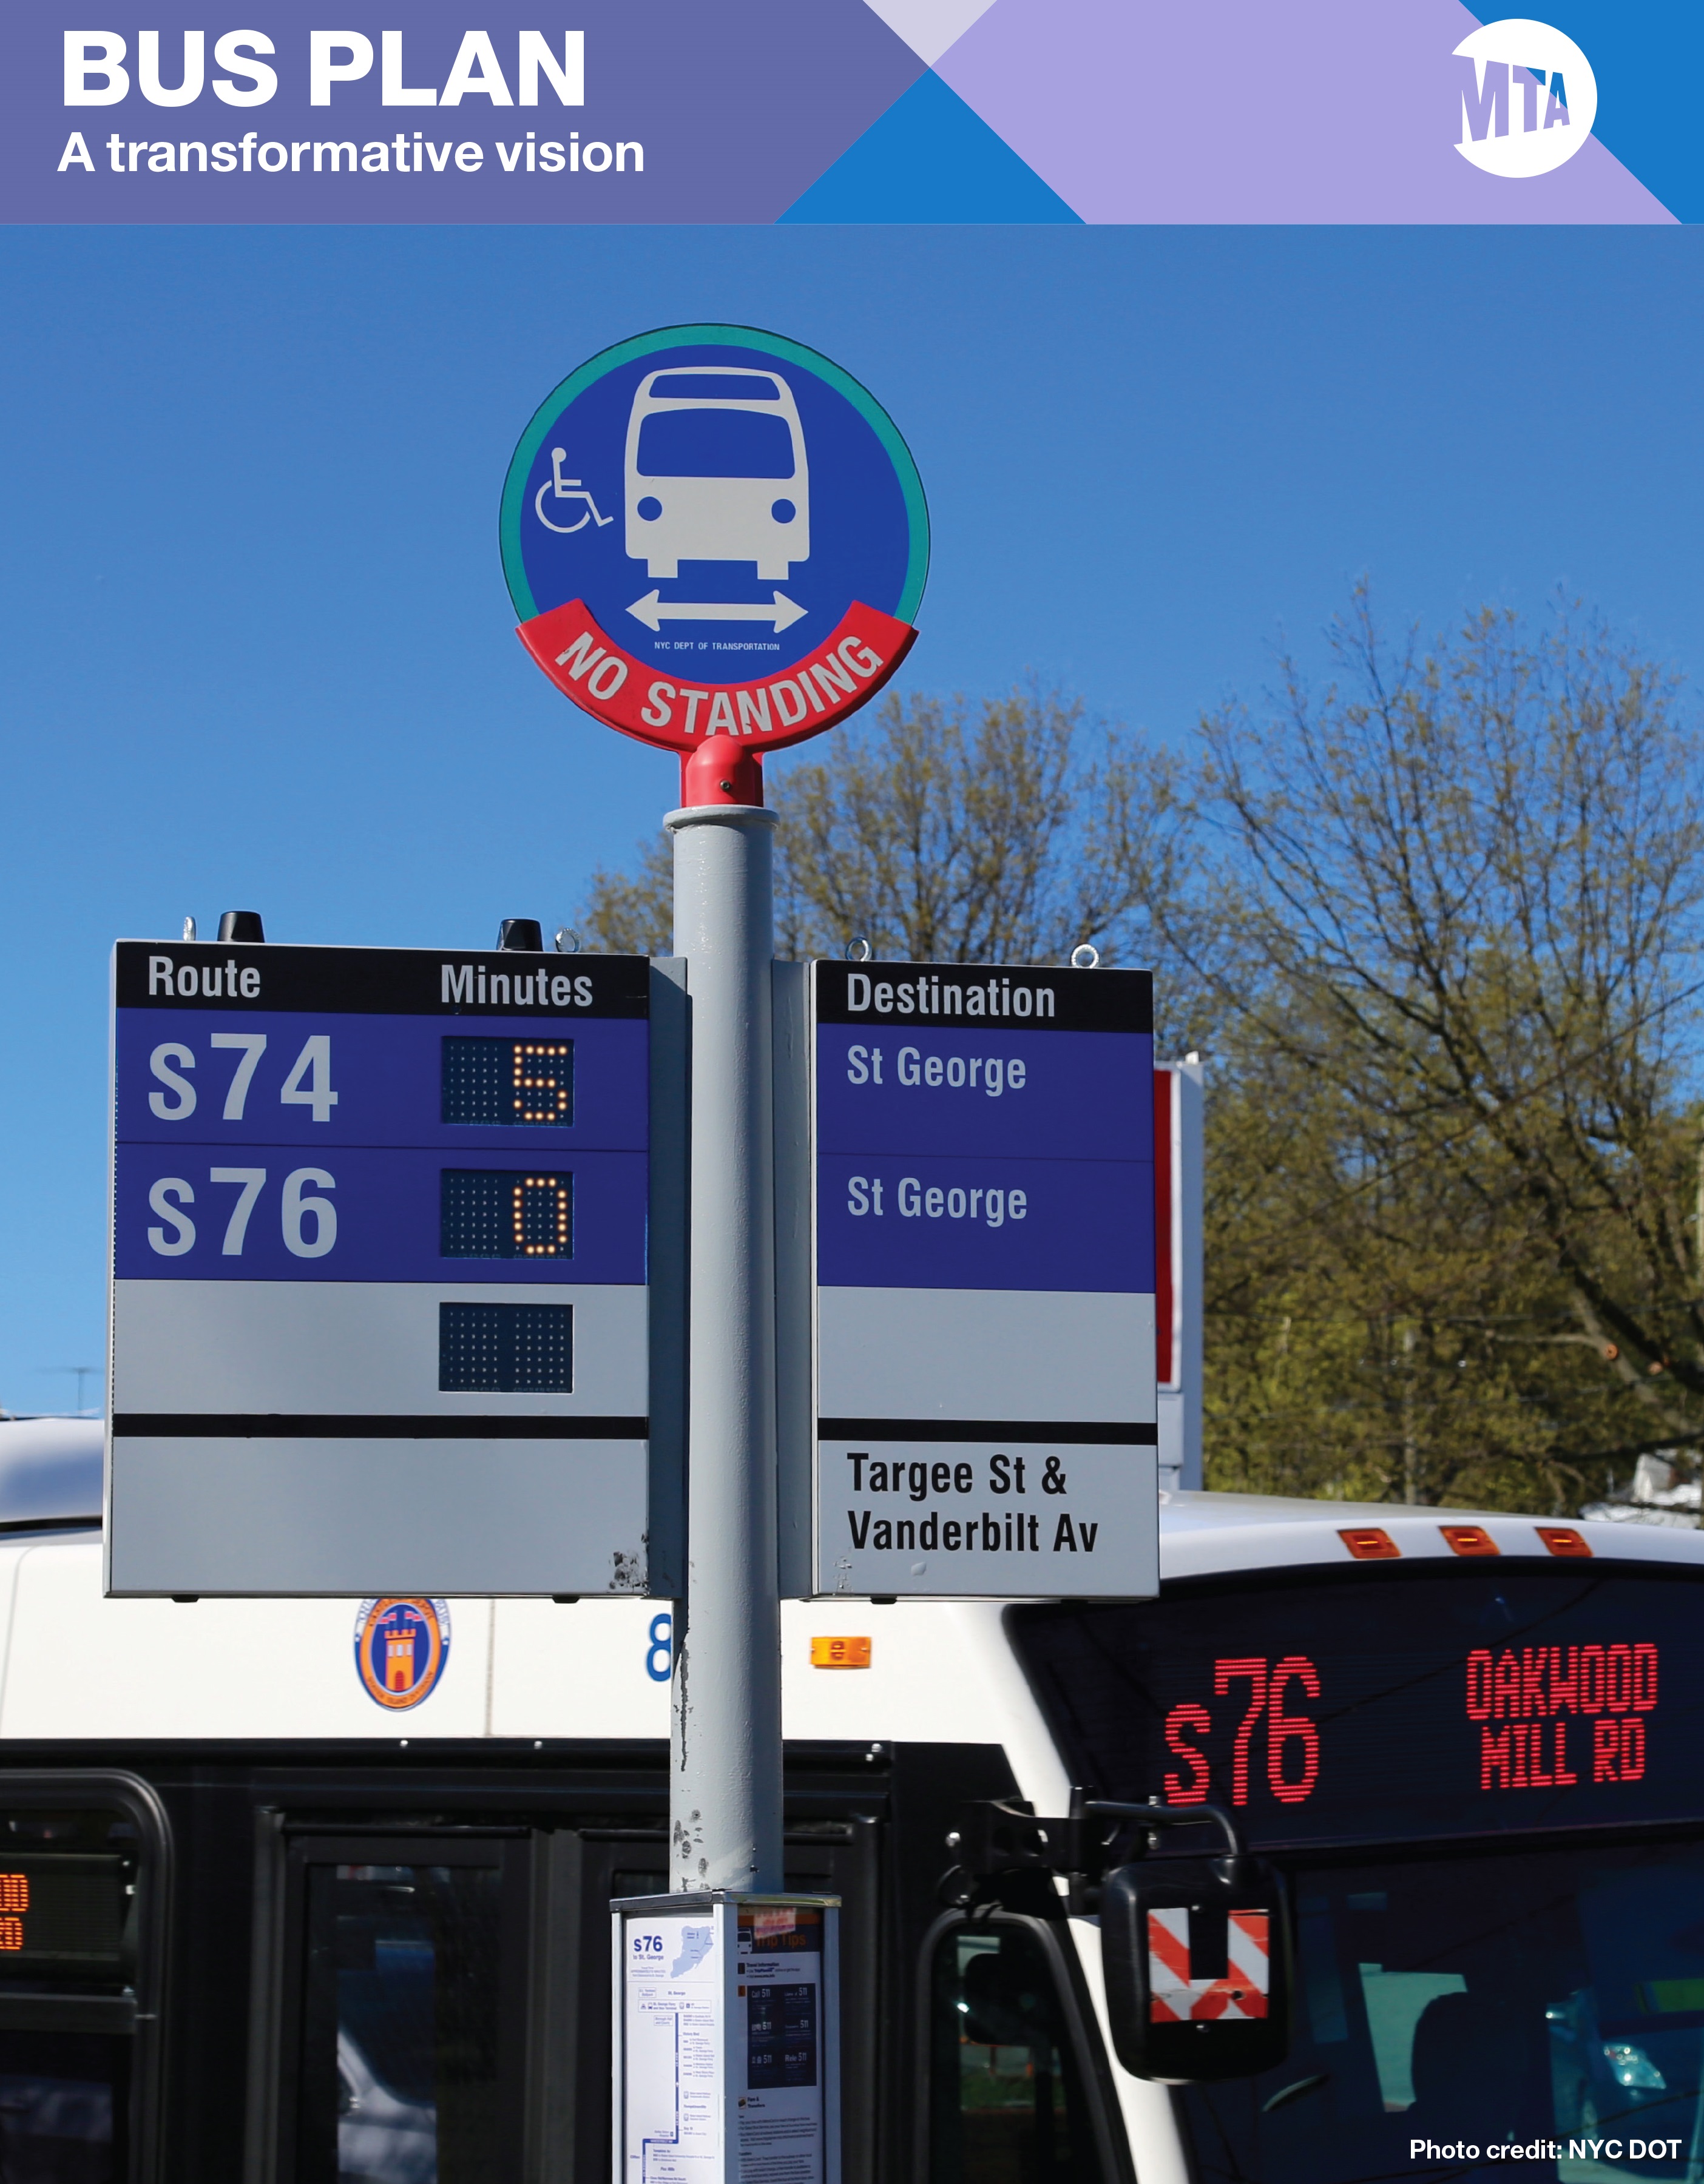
1563, 1540
1368, 1544
840, 1652
1469, 1539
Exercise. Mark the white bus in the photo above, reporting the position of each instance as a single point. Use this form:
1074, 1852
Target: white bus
716, 470
259, 1924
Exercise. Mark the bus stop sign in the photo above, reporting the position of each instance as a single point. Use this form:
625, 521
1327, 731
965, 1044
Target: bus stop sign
711, 531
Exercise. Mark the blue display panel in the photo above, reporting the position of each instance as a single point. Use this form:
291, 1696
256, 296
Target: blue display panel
318, 1078
938, 1221
1008, 1149
358, 1213
318, 1142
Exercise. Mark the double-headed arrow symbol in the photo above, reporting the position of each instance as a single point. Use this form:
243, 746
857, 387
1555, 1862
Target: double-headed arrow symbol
653, 610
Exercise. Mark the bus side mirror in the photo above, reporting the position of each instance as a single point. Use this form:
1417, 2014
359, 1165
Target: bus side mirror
1198, 1967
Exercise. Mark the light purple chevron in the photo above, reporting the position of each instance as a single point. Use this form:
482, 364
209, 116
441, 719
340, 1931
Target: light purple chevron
1328, 111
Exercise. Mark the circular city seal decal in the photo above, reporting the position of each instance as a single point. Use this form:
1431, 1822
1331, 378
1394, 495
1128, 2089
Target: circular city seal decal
401, 1647
713, 531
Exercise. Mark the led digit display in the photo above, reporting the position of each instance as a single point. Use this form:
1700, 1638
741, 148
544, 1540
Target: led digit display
519, 1081
510, 1348
1387, 1702
62, 1911
501, 1214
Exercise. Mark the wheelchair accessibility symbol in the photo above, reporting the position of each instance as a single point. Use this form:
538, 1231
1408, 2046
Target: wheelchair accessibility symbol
563, 489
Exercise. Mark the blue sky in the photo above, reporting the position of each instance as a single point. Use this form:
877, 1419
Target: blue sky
256, 649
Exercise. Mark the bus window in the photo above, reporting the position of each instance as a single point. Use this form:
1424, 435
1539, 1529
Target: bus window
1550, 1999
1008, 2100
407, 1954
62, 2102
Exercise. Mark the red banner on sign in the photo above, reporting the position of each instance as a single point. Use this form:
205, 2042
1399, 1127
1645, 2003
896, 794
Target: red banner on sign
676, 710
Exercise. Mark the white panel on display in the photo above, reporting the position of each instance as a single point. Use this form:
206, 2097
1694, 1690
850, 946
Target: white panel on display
383, 1319
981, 1144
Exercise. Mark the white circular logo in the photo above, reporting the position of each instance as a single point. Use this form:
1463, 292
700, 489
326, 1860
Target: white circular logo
1526, 95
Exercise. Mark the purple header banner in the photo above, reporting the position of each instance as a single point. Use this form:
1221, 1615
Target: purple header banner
1110, 111
603, 112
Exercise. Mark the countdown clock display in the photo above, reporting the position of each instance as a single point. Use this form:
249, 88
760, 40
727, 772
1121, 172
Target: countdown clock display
983, 1233
379, 1293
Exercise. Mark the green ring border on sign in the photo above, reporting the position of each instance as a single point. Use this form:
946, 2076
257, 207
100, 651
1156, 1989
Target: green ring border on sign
544, 416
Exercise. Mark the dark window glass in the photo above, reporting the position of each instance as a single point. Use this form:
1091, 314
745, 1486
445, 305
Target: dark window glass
400, 2064
517, 1081
62, 2102
730, 443
508, 1348
1006, 2101
491, 1213
1392, 1701
1552, 2000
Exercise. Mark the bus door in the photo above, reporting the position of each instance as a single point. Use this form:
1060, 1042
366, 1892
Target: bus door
85, 1879
432, 2005
402, 2008
1013, 2081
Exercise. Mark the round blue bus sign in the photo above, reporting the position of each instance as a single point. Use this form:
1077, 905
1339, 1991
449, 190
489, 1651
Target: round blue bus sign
711, 531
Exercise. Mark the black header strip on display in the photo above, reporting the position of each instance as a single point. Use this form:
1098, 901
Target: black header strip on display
258, 1425
410, 981
1070, 1432
966, 997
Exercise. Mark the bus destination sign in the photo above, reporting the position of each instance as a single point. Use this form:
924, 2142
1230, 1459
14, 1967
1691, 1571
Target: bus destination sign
1413, 1702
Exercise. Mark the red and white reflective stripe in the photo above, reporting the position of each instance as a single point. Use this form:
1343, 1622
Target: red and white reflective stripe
1175, 1999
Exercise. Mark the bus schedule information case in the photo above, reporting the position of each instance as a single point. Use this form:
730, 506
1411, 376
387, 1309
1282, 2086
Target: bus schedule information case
983, 1150
726, 2038
379, 1305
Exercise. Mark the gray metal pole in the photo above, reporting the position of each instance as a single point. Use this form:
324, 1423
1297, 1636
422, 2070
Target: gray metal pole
725, 1774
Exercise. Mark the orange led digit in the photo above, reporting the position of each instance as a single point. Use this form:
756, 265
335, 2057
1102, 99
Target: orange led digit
541, 1067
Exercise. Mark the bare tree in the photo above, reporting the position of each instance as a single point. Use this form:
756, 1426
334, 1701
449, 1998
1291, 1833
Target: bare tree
1457, 903
1438, 929
944, 832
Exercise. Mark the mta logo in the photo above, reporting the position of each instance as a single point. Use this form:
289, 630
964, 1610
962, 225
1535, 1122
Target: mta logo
1528, 97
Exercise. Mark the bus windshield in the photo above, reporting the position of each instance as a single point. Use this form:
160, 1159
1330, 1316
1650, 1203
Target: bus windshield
1376, 1729
719, 443
1449, 2008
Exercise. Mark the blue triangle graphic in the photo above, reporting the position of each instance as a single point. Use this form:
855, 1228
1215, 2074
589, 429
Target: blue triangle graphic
929, 158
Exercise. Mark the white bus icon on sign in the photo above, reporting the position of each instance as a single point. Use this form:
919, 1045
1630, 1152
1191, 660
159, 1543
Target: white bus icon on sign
716, 471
